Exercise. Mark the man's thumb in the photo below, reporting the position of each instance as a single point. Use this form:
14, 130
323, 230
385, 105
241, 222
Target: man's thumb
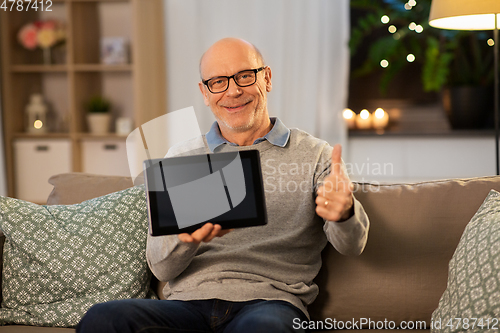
336, 159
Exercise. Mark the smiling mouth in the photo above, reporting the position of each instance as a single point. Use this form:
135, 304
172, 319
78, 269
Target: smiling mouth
237, 107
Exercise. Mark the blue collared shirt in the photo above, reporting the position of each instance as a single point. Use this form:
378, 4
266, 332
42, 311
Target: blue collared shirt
278, 135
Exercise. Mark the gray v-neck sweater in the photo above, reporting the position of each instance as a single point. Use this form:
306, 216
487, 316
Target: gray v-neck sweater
277, 261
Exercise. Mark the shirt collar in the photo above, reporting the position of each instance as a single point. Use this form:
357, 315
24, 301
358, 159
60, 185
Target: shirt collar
278, 135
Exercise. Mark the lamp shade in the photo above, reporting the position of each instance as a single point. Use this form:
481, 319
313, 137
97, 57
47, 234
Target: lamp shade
464, 14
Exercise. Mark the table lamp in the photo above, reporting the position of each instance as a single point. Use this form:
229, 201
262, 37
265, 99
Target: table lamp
472, 15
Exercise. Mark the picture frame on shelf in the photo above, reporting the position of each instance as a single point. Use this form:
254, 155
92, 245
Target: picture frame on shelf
114, 50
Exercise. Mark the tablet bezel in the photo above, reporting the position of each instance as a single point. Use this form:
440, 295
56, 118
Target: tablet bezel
252, 156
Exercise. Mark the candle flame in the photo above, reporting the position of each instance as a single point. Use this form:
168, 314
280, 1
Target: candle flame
364, 114
348, 114
379, 113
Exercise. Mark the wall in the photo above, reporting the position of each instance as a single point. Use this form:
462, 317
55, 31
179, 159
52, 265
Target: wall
419, 158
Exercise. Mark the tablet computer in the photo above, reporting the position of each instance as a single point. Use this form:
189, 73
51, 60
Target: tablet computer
183, 193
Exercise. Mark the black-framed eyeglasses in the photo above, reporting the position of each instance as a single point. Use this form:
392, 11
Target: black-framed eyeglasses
244, 78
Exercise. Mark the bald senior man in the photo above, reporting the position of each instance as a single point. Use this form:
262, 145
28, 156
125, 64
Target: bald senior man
257, 279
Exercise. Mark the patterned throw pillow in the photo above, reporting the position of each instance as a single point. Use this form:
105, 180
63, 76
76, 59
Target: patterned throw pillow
471, 301
60, 260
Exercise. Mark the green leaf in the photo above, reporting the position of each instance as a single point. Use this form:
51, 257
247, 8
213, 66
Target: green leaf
384, 48
436, 66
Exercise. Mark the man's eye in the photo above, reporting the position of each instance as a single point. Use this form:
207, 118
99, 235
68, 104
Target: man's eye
218, 82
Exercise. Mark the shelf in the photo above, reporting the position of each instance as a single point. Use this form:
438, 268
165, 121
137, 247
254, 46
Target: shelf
66, 68
77, 135
39, 68
422, 133
96, 0
24, 135
90, 136
102, 68
59, 1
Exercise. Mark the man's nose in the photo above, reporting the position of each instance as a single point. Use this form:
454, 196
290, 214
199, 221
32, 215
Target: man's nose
233, 88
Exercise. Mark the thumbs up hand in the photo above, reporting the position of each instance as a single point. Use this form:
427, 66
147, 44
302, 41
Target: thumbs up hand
334, 201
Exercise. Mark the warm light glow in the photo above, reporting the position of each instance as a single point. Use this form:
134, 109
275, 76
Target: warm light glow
384, 63
491, 42
407, 6
410, 57
412, 3
466, 22
381, 119
364, 114
396, 36
349, 118
419, 28
38, 124
412, 26
385, 19
392, 29
379, 113
348, 114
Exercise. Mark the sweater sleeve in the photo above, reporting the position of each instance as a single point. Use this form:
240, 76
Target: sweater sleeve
168, 256
349, 237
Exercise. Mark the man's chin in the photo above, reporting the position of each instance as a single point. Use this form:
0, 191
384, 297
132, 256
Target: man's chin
234, 122
237, 126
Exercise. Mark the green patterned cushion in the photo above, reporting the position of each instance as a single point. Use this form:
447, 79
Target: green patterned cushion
471, 301
60, 260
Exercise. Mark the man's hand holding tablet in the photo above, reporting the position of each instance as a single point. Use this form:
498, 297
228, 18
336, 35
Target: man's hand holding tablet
205, 234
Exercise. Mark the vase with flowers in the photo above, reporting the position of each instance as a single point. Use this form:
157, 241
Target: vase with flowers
42, 34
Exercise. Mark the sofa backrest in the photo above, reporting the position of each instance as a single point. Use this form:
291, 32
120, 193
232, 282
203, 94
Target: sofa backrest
403, 271
75, 187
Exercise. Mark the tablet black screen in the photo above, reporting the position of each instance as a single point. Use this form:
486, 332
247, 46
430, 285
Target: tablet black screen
181, 191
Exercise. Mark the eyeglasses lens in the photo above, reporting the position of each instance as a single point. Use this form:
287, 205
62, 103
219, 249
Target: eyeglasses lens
242, 79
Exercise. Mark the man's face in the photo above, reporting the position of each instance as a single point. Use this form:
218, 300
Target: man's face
238, 109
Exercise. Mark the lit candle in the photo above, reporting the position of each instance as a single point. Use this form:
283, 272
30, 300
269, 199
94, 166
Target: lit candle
349, 118
381, 119
364, 120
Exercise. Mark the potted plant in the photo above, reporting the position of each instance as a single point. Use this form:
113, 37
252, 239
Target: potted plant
457, 63
98, 114
468, 93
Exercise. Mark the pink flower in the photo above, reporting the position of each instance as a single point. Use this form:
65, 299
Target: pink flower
27, 36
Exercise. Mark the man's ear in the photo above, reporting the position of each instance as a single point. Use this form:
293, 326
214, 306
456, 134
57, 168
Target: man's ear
267, 77
204, 92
